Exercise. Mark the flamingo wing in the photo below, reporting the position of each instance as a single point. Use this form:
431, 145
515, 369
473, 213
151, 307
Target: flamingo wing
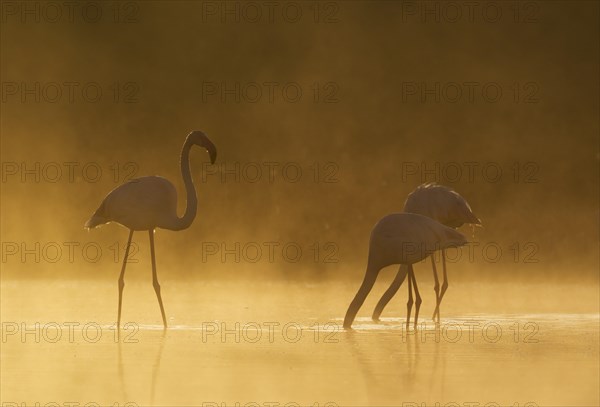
440, 203
140, 204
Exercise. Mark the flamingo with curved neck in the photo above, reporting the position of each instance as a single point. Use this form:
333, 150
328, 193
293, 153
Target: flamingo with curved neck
148, 203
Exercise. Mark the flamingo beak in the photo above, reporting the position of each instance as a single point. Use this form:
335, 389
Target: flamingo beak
202, 139
212, 153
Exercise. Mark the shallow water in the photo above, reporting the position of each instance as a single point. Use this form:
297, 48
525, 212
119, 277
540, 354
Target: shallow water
227, 349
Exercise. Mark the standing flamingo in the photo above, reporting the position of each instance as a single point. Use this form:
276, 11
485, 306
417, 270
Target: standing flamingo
151, 202
448, 208
405, 239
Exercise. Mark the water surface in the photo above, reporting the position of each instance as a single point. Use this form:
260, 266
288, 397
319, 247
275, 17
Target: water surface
241, 348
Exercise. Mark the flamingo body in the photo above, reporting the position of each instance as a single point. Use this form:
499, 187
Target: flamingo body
140, 204
406, 238
447, 207
401, 238
442, 204
148, 203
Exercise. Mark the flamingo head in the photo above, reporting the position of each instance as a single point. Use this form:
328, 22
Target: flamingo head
198, 138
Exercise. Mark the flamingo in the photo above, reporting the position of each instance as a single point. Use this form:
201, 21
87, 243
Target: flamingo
405, 239
449, 208
147, 203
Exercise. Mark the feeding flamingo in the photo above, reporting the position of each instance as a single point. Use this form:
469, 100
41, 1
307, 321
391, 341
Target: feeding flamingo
448, 208
405, 239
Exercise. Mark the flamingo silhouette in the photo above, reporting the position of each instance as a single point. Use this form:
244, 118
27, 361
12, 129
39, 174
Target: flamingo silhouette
449, 208
405, 239
148, 203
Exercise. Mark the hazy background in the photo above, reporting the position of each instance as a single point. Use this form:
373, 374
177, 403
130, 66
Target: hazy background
544, 217
362, 142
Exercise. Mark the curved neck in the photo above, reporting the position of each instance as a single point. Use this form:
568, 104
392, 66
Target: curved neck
191, 199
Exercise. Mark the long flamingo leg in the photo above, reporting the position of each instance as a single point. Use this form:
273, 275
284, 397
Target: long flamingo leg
436, 288
390, 292
359, 298
155, 279
411, 275
122, 278
409, 303
444, 286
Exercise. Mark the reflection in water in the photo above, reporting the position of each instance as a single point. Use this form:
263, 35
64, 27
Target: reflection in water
155, 368
121, 376
404, 350
365, 368
505, 359
438, 375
